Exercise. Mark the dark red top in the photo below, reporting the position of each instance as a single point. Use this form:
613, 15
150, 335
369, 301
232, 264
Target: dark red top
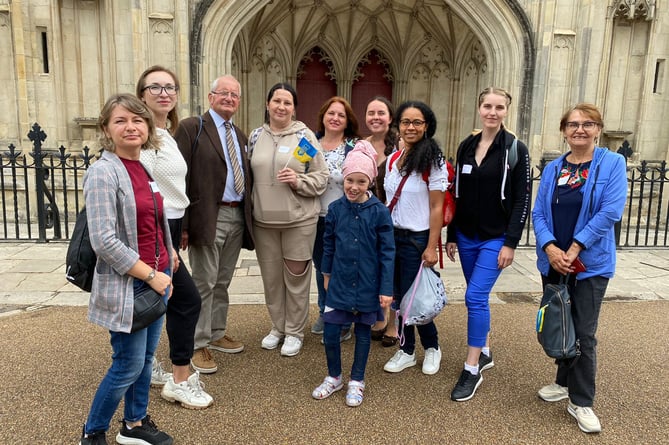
146, 220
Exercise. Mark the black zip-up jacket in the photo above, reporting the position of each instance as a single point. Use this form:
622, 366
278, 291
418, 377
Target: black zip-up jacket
492, 199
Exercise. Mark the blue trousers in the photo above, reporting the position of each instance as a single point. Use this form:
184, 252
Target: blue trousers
128, 378
586, 301
479, 266
409, 248
363, 340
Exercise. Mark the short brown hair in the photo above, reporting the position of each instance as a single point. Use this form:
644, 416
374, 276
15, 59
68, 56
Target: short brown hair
133, 105
588, 109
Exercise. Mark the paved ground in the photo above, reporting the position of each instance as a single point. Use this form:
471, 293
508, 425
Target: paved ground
52, 360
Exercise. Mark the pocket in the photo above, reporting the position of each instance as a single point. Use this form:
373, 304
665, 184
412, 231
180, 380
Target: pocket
276, 206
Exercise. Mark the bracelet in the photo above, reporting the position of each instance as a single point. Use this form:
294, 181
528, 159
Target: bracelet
152, 274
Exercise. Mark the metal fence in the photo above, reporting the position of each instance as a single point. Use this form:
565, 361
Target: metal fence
41, 193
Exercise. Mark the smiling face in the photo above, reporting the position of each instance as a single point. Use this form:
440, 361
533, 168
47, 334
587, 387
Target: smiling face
280, 109
356, 186
377, 117
128, 132
225, 96
162, 103
493, 110
579, 137
334, 119
412, 126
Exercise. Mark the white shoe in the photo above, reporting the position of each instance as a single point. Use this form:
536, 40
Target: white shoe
432, 361
400, 361
271, 341
553, 392
291, 346
158, 375
189, 393
354, 393
586, 418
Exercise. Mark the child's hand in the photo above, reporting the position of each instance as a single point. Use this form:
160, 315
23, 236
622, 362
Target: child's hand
385, 300
326, 281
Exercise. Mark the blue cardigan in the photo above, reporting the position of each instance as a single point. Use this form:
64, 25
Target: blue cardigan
604, 195
359, 254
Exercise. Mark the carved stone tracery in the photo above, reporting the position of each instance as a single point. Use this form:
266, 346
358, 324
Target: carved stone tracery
322, 57
634, 9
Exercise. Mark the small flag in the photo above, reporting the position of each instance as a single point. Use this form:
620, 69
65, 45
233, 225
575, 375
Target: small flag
304, 151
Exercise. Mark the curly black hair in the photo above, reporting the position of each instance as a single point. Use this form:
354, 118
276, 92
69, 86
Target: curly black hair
425, 153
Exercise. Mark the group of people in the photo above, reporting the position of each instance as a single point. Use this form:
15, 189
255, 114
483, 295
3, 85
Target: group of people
301, 198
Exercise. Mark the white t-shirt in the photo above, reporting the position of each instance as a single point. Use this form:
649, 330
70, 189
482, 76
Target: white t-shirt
412, 211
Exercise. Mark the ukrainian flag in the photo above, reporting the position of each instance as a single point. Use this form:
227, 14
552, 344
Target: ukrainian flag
304, 151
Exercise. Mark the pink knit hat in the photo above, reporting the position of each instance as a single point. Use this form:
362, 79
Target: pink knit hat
362, 159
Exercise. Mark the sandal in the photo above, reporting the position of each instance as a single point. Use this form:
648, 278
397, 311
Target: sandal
329, 386
387, 341
354, 393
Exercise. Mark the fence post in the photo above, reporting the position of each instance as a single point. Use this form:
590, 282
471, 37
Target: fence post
37, 136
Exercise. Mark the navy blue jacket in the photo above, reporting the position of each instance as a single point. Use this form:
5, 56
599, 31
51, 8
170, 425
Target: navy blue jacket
358, 253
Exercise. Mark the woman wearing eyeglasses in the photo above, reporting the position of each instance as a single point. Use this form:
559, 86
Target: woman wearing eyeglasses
492, 191
417, 217
581, 196
158, 88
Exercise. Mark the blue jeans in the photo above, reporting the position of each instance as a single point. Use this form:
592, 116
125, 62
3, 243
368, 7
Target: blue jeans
479, 265
129, 376
409, 248
363, 340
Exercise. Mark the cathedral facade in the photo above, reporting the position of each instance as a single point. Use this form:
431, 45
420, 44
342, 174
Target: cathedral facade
63, 58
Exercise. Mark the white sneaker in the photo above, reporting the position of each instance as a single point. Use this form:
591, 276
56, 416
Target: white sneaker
432, 361
400, 361
271, 341
586, 418
291, 346
189, 393
553, 392
158, 375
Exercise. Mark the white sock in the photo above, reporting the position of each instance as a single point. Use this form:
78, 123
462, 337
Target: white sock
472, 369
486, 351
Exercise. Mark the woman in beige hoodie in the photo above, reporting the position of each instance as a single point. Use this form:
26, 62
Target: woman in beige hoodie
286, 190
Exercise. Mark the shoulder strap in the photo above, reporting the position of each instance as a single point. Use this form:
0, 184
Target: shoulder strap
255, 134
513, 154
393, 158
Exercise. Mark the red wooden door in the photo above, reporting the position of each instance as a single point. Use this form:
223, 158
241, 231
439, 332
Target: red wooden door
315, 85
372, 78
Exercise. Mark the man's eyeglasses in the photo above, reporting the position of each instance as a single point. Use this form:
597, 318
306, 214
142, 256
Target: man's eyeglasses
587, 126
417, 123
156, 90
230, 94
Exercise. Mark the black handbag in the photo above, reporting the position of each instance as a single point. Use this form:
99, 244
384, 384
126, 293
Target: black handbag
148, 304
555, 325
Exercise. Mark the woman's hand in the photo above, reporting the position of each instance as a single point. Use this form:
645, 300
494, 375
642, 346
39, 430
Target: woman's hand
558, 259
161, 282
430, 256
385, 301
326, 281
450, 251
175, 260
184, 240
505, 257
287, 176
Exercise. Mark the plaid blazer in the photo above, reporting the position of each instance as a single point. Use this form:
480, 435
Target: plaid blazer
112, 226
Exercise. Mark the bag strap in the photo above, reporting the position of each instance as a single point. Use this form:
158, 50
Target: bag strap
410, 303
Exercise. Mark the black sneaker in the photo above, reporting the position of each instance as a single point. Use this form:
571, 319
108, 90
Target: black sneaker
145, 434
98, 438
466, 386
485, 362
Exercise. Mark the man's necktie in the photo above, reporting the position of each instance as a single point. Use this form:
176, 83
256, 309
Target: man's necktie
234, 160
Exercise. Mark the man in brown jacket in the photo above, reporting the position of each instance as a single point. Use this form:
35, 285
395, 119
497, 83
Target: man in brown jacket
218, 222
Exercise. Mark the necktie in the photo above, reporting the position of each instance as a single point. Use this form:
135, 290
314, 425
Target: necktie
234, 160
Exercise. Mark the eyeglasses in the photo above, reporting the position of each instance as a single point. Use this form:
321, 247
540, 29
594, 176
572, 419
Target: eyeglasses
417, 123
156, 90
230, 94
587, 126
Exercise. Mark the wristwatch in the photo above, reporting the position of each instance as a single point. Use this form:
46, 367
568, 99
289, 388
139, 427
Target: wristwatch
152, 274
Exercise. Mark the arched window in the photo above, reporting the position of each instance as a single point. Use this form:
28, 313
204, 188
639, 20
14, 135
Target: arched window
372, 78
315, 84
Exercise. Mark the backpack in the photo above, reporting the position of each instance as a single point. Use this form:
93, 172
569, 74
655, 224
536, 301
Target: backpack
80, 258
448, 207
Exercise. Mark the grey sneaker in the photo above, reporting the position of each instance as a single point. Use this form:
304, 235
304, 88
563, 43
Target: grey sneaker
158, 375
586, 418
553, 392
317, 327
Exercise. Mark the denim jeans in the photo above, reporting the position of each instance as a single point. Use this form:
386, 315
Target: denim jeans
479, 266
363, 340
579, 374
129, 376
409, 248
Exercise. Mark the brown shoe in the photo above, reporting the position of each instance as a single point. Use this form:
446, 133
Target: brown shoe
227, 344
203, 361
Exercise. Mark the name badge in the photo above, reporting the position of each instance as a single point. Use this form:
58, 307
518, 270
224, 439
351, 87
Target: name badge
284, 149
154, 186
466, 169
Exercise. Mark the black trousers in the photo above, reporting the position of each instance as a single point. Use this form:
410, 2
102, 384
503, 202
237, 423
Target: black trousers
579, 374
183, 308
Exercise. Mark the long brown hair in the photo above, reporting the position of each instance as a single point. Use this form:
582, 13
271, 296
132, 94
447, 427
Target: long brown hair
352, 129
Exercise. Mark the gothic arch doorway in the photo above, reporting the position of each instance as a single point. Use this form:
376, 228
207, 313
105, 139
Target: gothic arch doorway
316, 83
372, 78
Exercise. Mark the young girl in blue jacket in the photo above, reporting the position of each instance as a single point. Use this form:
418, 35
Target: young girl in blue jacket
358, 264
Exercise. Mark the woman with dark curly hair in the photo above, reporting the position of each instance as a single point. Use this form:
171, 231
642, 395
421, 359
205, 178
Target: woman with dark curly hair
417, 217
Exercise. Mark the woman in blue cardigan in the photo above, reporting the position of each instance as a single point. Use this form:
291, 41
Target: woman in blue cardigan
581, 196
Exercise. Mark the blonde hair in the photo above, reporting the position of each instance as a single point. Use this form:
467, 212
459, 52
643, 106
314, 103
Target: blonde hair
135, 106
497, 91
